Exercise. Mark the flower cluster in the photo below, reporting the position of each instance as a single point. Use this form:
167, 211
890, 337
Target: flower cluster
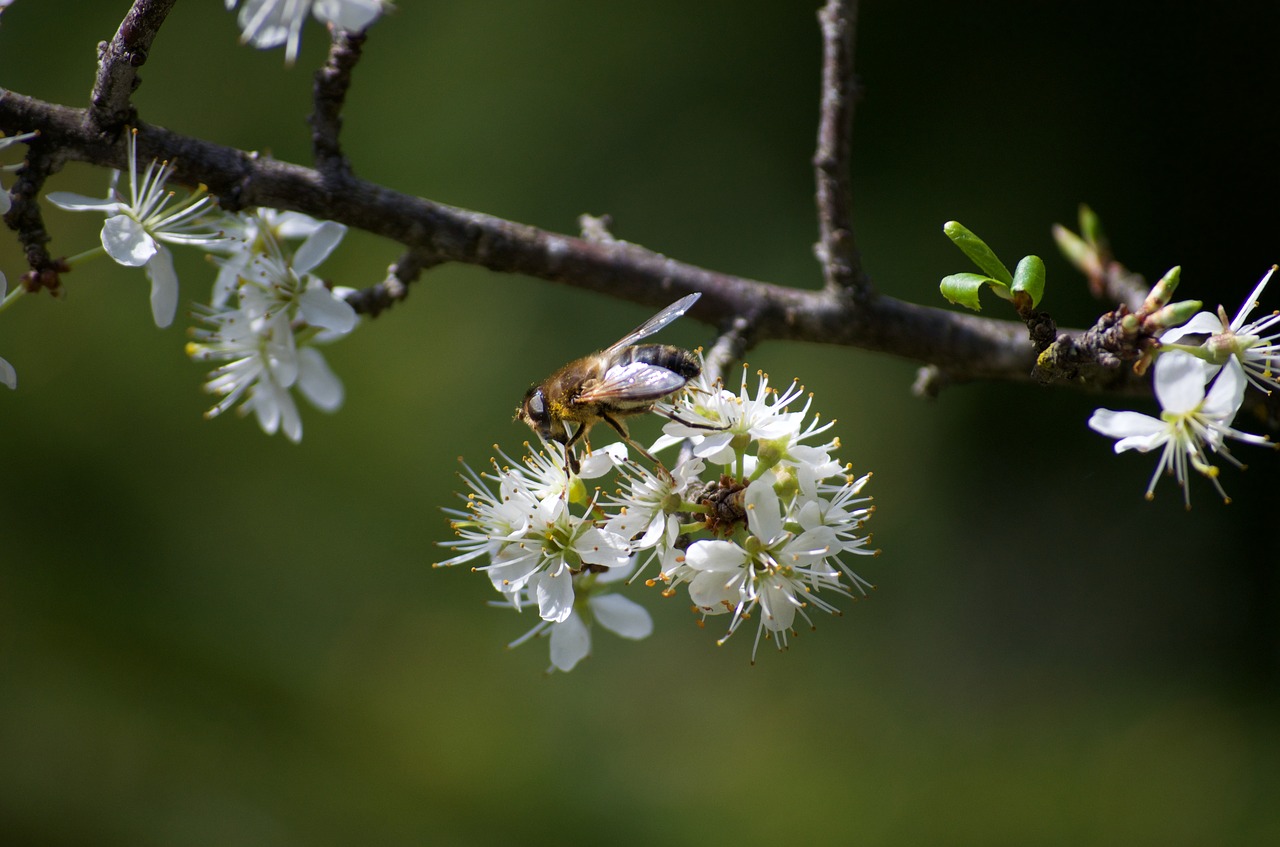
1200, 389
267, 311
755, 518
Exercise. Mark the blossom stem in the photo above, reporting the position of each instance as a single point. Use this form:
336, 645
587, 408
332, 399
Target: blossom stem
18, 291
1198, 351
81, 258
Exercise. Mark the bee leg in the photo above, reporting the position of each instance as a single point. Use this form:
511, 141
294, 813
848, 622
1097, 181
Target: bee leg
571, 455
626, 436
692, 424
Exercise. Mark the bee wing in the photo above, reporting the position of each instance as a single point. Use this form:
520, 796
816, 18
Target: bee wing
658, 321
637, 382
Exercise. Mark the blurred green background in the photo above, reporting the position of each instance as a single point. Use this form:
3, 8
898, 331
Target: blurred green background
212, 637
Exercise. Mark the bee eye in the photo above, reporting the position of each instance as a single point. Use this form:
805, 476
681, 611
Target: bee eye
536, 405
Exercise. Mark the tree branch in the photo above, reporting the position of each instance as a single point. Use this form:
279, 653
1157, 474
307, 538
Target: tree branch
965, 346
118, 63
329, 93
836, 250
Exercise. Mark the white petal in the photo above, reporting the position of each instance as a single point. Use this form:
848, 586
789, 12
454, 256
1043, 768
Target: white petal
715, 556
320, 308
1252, 302
777, 605
264, 400
714, 593
317, 247
600, 462
263, 22
570, 643
78, 202
127, 242
601, 547
1227, 392
1180, 379
317, 382
1124, 424
1204, 323
291, 224
622, 616
554, 592
164, 286
290, 421
8, 375
764, 512
354, 15
1144, 443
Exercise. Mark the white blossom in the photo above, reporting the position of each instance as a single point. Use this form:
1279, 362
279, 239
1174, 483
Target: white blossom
1193, 423
595, 603
1252, 348
535, 544
269, 23
774, 569
138, 227
266, 340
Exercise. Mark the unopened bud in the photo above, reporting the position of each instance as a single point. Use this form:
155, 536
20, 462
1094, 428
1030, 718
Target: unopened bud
1175, 314
1083, 257
1162, 291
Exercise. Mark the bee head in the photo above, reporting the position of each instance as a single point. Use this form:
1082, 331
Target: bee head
535, 412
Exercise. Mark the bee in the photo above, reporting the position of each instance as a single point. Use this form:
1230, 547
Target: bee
623, 379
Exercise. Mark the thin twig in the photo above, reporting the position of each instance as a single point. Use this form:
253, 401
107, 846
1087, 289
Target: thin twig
329, 93
377, 298
118, 62
25, 218
836, 250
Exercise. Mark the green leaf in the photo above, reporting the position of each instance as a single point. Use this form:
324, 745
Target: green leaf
978, 252
962, 289
1029, 277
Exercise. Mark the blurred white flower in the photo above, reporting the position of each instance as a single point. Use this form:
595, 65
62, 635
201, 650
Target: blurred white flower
249, 234
8, 376
270, 23
5, 202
